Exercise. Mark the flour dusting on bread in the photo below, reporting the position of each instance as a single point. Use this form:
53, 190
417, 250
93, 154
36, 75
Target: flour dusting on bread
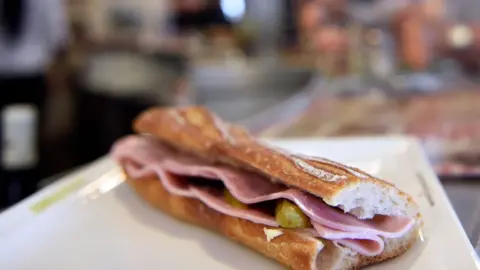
318, 172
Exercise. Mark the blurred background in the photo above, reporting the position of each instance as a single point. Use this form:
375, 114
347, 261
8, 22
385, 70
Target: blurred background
74, 73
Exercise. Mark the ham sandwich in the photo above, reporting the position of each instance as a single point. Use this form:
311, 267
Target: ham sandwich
192, 158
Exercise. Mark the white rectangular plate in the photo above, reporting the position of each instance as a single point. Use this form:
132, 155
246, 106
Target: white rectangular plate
103, 225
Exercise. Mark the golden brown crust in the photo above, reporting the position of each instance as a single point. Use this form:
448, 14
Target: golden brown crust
198, 131
289, 249
292, 249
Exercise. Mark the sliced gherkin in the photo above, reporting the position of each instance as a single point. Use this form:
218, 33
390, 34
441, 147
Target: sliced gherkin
288, 215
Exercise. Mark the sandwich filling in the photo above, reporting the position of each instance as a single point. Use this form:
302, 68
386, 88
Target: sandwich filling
250, 196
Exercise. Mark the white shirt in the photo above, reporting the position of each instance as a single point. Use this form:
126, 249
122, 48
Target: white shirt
44, 31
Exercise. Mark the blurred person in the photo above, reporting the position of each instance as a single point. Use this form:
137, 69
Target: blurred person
32, 33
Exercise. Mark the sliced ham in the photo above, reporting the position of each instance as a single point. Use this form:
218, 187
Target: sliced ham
211, 197
364, 243
174, 168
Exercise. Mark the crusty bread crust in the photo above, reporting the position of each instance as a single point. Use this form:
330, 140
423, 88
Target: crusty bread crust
292, 249
201, 133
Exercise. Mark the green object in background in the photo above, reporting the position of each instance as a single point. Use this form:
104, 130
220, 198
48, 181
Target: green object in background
356, 64
404, 67
57, 196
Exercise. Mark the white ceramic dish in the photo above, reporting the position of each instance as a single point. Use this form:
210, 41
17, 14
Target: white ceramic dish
103, 225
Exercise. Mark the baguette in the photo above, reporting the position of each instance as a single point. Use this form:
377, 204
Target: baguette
189, 155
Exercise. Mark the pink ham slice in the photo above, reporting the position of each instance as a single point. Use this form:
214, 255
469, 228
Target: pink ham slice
329, 223
211, 197
366, 244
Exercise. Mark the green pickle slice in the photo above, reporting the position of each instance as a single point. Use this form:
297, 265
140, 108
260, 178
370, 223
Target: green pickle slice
233, 201
288, 215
